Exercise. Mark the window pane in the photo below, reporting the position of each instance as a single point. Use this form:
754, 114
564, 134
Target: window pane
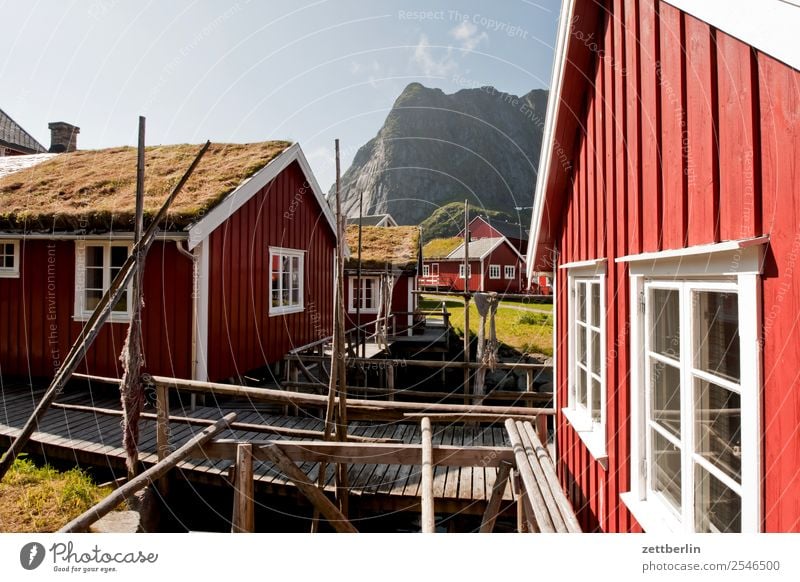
8, 262
580, 333
92, 299
94, 256
717, 508
581, 291
666, 469
665, 396
296, 296
665, 338
717, 324
118, 256
595, 292
94, 278
9, 248
717, 427
276, 297
595, 339
581, 387
596, 397
122, 304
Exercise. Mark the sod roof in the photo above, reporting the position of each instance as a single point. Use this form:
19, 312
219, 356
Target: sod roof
95, 189
439, 248
382, 246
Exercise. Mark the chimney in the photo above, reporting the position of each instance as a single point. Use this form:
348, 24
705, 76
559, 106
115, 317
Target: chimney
63, 137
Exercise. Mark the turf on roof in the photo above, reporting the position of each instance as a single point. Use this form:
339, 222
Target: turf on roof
439, 248
95, 189
382, 246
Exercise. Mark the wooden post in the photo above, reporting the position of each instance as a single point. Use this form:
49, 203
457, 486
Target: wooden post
335, 517
529, 380
390, 380
541, 428
467, 399
534, 496
95, 323
243, 504
428, 519
91, 515
519, 493
496, 498
162, 431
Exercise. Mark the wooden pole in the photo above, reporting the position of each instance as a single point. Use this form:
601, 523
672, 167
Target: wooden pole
243, 504
341, 424
428, 520
162, 430
467, 282
552, 508
335, 517
93, 326
91, 515
534, 496
496, 498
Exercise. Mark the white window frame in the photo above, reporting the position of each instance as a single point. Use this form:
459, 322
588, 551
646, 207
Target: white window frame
510, 271
292, 253
81, 313
590, 431
461, 270
729, 266
377, 295
10, 272
494, 271
426, 271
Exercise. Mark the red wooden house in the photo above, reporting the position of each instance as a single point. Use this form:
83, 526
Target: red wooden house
242, 272
389, 268
495, 265
482, 227
667, 202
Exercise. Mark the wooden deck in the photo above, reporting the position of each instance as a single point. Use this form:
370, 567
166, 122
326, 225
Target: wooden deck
92, 439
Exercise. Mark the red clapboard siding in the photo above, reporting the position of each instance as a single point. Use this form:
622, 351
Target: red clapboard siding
779, 124
242, 335
650, 134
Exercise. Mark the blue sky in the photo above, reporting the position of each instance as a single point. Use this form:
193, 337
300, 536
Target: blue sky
309, 71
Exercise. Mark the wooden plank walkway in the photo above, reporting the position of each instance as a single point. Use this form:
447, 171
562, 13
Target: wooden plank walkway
88, 438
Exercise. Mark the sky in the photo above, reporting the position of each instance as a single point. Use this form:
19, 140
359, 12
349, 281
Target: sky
255, 70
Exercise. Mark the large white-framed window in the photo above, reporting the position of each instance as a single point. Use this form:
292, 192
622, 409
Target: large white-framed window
494, 271
461, 271
510, 271
370, 295
286, 280
9, 258
586, 401
96, 265
696, 388
426, 271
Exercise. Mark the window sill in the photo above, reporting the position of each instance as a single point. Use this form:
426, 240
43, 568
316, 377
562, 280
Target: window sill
9, 274
273, 312
363, 311
651, 518
591, 434
113, 318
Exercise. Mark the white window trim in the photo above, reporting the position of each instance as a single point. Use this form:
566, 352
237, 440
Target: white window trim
510, 269
351, 300
593, 434
741, 262
12, 273
301, 254
461, 270
80, 311
495, 268
426, 270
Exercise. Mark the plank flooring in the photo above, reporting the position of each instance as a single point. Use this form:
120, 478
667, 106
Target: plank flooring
88, 438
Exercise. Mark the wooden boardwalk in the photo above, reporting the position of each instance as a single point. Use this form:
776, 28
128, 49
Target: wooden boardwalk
92, 439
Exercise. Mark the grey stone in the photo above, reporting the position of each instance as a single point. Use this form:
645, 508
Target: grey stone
117, 522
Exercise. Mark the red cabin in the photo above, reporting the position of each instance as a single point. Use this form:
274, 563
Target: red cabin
241, 274
666, 203
389, 264
495, 265
481, 227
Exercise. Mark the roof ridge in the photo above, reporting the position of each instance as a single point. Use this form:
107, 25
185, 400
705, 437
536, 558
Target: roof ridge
38, 147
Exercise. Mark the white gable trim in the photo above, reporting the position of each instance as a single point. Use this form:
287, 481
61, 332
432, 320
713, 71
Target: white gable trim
246, 190
553, 100
768, 25
500, 240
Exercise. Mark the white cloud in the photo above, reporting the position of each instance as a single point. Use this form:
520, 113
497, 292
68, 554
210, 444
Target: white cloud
467, 34
430, 65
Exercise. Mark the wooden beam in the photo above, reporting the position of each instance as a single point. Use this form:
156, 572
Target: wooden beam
540, 514
91, 515
162, 422
472, 417
496, 498
428, 520
400, 363
543, 486
365, 453
317, 498
564, 504
243, 505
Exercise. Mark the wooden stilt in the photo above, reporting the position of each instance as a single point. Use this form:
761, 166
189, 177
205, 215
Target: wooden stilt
243, 504
428, 519
496, 498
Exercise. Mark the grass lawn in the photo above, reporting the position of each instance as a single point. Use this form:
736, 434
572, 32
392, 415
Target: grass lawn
42, 499
525, 332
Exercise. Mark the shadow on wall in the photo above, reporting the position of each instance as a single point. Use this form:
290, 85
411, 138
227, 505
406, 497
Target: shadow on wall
583, 509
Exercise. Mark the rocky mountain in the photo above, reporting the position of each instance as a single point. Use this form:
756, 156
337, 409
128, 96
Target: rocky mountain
434, 148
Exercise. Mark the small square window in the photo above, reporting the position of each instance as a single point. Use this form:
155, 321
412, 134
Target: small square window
9, 259
494, 271
510, 271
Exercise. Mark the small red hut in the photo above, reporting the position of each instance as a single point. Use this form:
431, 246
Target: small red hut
494, 265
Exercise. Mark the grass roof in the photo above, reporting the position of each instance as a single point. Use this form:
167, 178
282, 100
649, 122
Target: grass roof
395, 246
96, 189
439, 248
